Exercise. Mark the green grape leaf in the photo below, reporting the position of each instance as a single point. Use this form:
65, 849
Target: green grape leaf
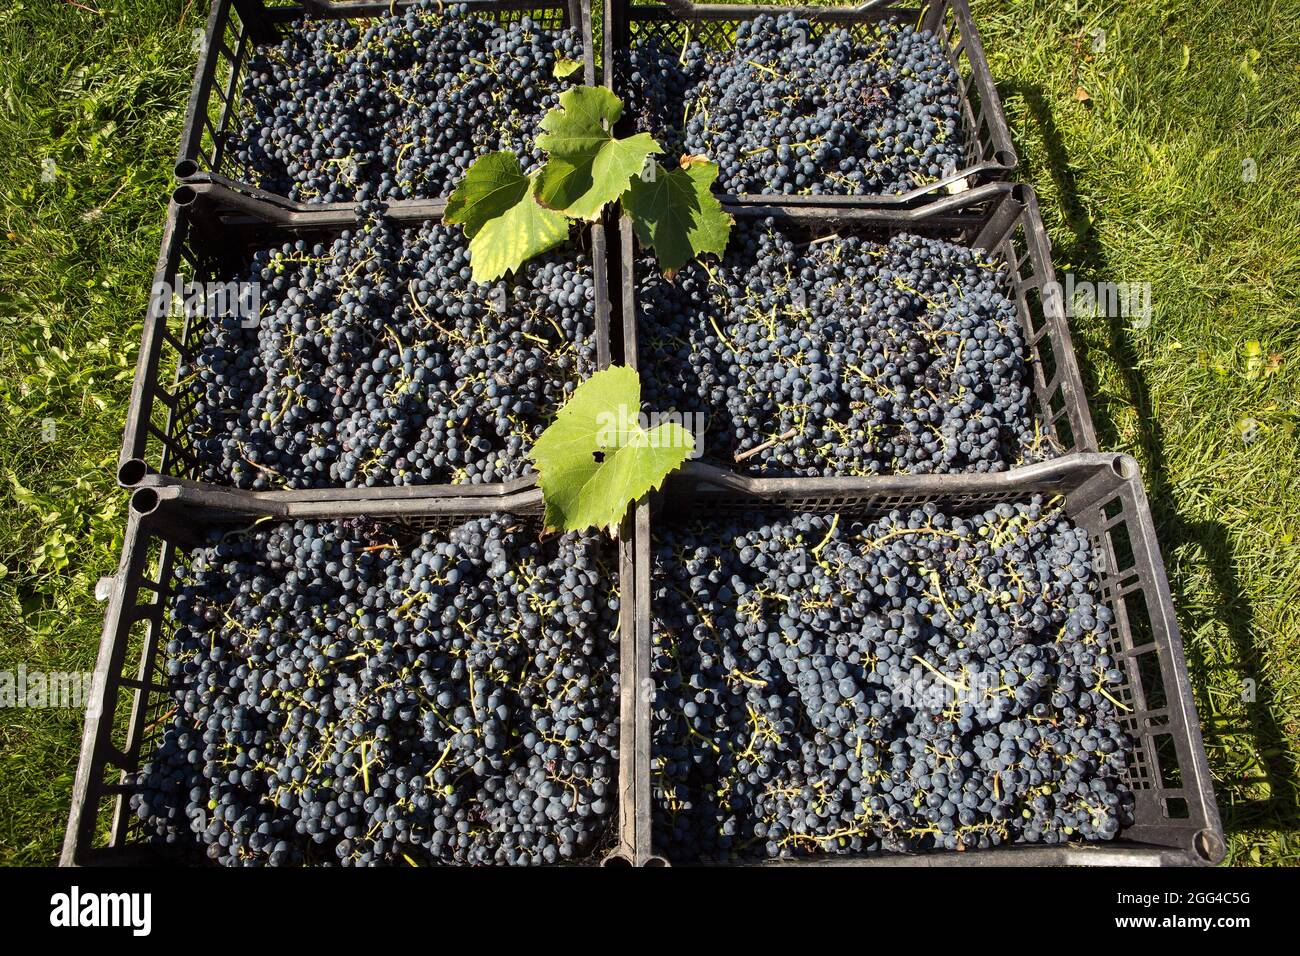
587, 166
506, 242
677, 215
491, 187
595, 458
566, 67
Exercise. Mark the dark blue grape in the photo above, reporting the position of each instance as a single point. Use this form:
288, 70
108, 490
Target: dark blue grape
397, 106
920, 682
842, 356
378, 361
326, 709
793, 110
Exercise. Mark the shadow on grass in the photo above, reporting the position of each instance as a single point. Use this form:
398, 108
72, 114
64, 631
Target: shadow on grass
1281, 809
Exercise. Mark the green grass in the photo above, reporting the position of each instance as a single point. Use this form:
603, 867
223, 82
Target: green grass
103, 96
1143, 182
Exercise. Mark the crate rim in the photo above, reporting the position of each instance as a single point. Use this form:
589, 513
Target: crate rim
1055, 470
151, 509
191, 202
620, 14
261, 21
1207, 844
1001, 219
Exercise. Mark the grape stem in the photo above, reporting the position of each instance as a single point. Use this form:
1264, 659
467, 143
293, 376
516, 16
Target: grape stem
955, 685
789, 433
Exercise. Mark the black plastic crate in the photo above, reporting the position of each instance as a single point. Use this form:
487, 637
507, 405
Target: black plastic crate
130, 697
235, 27
1176, 818
990, 153
1002, 219
209, 233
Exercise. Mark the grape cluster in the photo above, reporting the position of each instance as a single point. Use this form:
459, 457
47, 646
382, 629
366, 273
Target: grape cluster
398, 106
842, 356
923, 681
342, 696
378, 361
788, 111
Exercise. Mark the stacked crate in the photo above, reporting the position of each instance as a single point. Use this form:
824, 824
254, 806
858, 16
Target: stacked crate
217, 215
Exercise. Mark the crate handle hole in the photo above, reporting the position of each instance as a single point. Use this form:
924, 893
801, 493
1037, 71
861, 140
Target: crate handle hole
144, 501
1209, 846
1007, 160
186, 168
1124, 466
184, 195
617, 858
656, 862
131, 472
